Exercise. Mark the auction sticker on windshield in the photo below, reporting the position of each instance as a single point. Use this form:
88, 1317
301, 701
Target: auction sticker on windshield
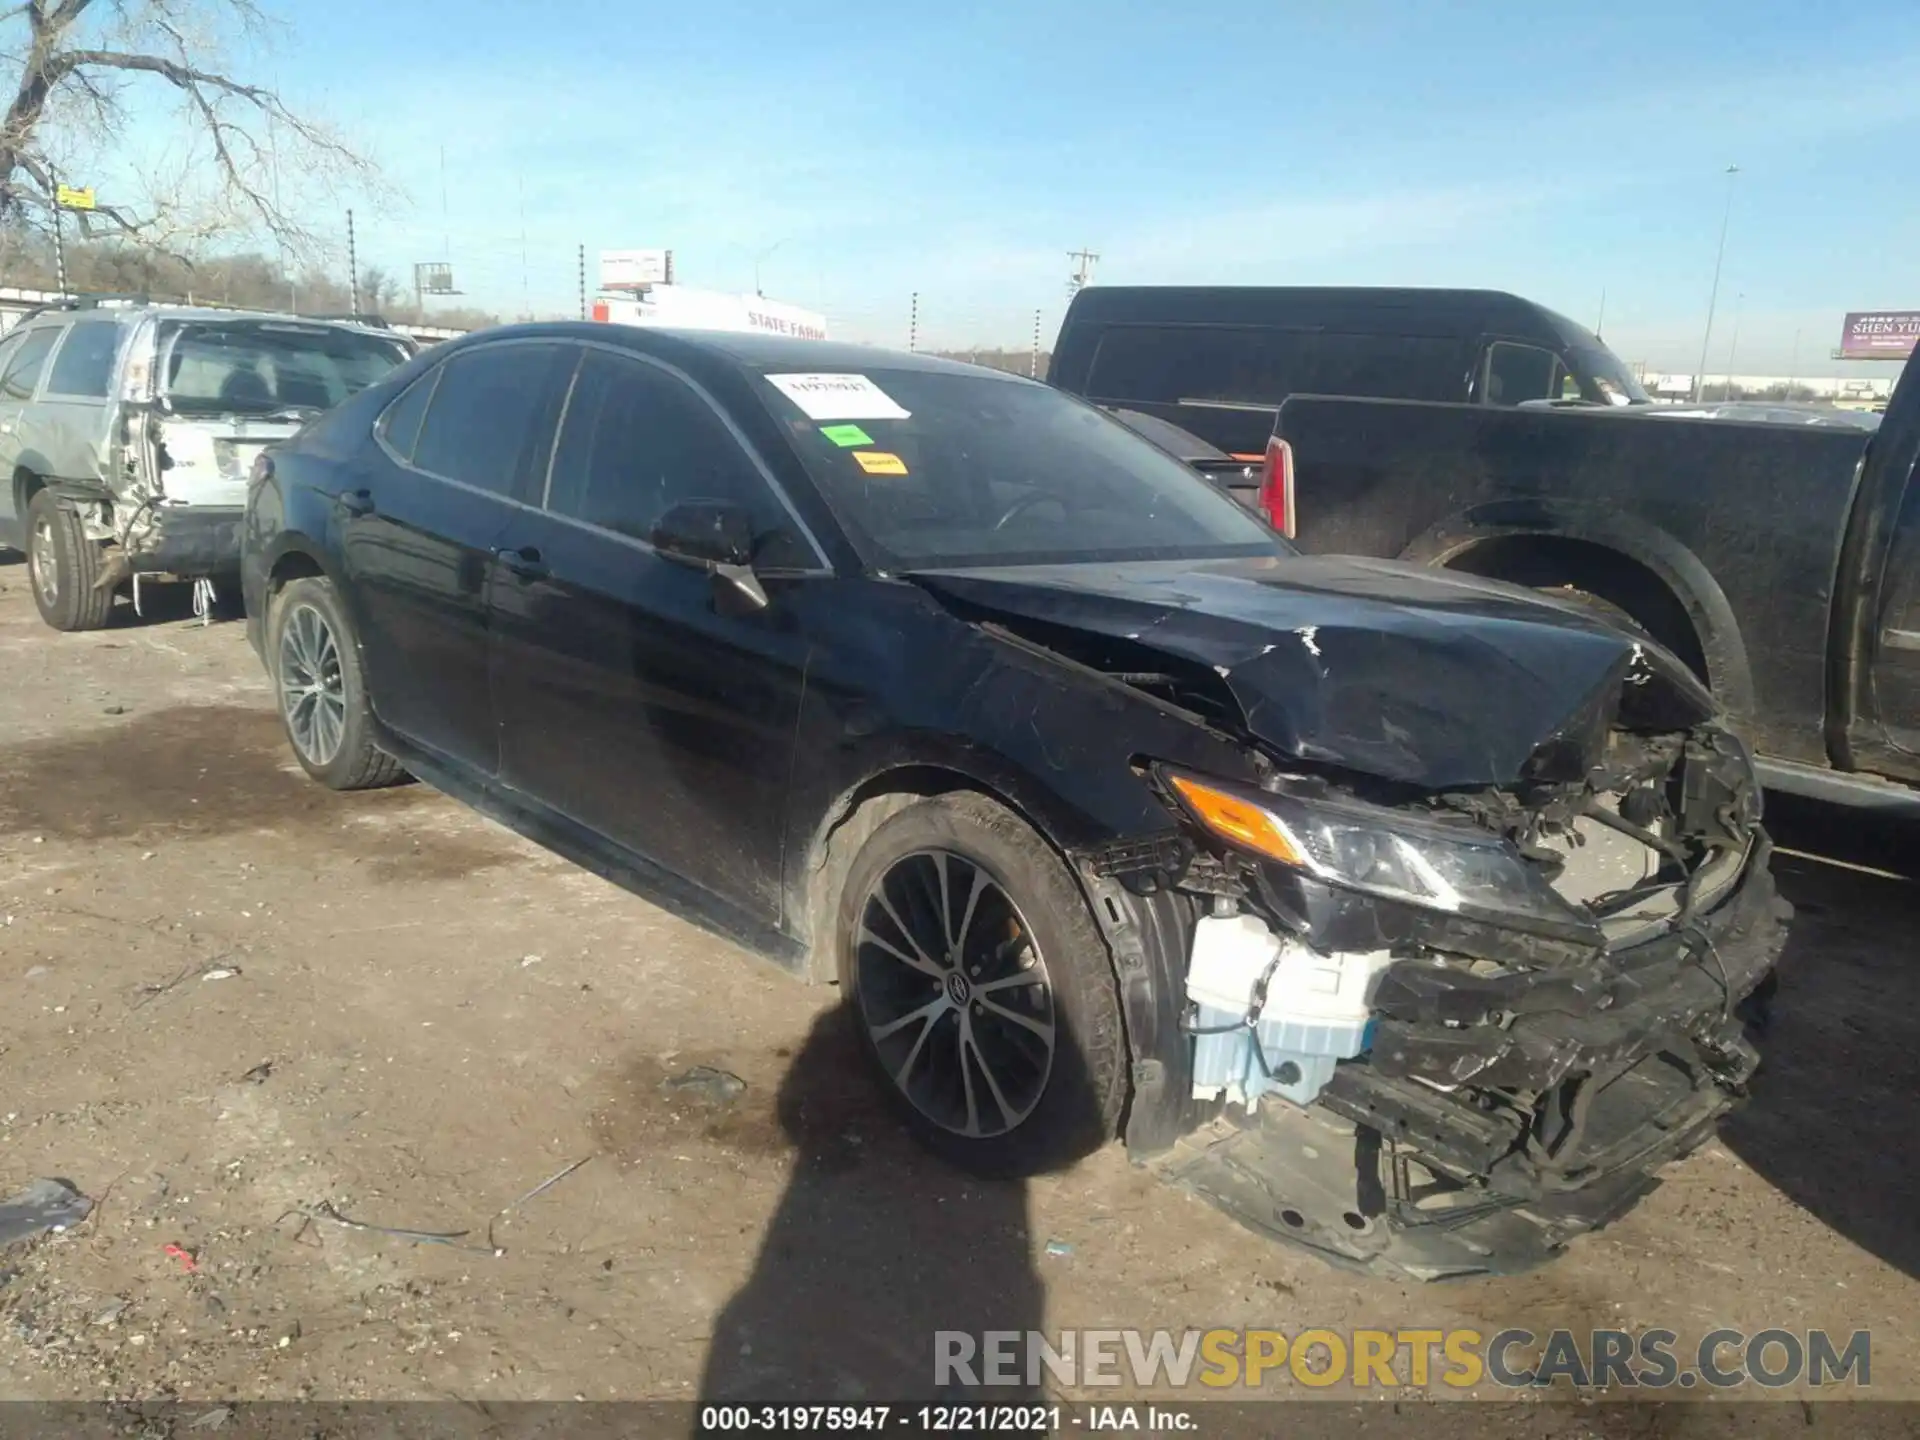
838, 397
846, 436
879, 462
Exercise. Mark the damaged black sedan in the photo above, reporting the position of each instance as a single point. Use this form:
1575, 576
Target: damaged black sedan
1407, 917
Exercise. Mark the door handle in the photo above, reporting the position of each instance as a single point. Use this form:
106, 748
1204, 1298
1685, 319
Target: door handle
524, 562
355, 502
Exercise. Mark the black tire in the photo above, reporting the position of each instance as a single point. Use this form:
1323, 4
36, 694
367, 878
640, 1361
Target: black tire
1067, 1107
313, 657
1599, 607
64, 566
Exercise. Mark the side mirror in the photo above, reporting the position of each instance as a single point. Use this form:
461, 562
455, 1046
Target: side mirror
715, 535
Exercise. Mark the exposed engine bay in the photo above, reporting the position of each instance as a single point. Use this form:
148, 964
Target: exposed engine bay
1472, 1074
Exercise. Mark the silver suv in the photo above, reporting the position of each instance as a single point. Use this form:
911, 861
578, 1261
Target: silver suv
127, 431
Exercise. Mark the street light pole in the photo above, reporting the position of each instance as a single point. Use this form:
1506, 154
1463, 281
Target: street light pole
1713, 295
766, 254
1733, 347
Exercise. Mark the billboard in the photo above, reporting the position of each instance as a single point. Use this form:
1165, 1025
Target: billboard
433, 278
1879, 334
678, 306
630, 269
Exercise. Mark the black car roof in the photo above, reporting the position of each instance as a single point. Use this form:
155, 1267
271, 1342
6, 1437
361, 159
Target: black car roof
750, 350
767, 351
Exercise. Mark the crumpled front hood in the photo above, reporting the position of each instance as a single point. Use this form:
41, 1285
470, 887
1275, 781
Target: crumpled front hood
1413, 675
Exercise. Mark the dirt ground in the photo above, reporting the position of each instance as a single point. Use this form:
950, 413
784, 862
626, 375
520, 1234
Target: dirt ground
228, 997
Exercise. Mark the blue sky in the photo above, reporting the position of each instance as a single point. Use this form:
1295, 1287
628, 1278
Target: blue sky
961, 150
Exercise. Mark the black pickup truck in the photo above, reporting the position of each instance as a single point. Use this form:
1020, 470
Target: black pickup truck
1782, 563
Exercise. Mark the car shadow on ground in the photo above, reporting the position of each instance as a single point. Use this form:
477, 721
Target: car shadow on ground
875, 1246
1831, 1119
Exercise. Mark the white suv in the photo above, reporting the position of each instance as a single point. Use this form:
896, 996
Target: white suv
127, 431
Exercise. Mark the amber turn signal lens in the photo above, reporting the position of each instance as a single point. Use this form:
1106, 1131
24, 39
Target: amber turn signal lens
1240, 821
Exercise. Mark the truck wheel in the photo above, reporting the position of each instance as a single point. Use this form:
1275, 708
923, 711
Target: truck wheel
323, 695
981, 988
64, 565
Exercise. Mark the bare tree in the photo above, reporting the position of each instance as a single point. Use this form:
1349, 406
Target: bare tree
79, 62
380, 292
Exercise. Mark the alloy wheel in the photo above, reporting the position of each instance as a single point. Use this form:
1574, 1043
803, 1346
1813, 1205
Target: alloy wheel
312, 693
43, 564
954, 994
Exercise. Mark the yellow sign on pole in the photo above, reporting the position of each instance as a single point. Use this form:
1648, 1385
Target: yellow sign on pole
69, 198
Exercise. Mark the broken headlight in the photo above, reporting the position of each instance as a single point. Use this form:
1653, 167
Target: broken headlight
1379, 851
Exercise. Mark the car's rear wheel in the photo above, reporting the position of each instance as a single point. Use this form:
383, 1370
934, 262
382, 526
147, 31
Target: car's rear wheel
322, 690
981, 988
64, 567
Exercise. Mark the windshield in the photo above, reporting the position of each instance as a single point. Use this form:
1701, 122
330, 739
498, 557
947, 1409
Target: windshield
1604, 380
928, 470
262, 367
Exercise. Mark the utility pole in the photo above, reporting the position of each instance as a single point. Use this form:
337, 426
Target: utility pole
913, 322
1713, 295
1600, 324
1083, 263
583, 282
59, 238
766, 254
353, 270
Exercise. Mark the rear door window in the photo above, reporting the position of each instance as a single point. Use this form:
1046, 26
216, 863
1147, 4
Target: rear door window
1169, 364
22, 374
400, 425
1391, 367
490, 421
1181, 364
84, 365
637, 439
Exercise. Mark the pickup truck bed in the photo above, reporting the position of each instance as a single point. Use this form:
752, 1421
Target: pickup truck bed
1778, 561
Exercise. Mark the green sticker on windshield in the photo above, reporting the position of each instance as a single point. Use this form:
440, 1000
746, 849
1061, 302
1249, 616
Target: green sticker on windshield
846, 436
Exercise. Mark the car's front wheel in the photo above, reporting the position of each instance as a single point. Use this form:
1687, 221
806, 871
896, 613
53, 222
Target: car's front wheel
322, 689
981, 988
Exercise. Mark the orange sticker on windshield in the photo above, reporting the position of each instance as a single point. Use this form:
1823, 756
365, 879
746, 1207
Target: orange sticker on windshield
879, 462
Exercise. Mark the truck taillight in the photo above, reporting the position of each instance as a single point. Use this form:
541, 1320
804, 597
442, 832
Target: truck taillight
1276, 488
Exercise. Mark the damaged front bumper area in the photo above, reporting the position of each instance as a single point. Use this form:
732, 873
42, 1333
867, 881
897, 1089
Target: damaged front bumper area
1424, 1085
